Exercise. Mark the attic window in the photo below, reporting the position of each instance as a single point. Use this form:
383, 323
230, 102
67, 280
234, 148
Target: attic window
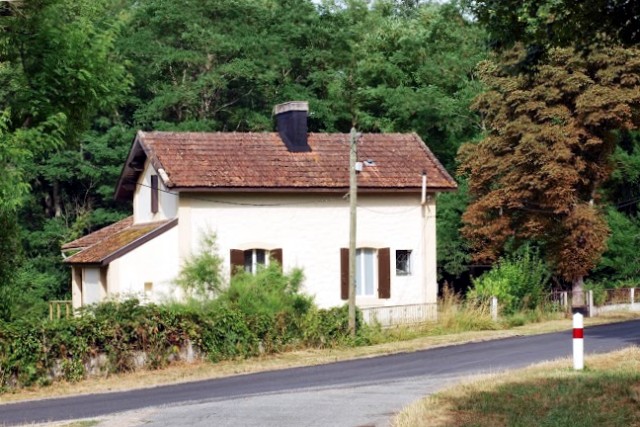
154, 193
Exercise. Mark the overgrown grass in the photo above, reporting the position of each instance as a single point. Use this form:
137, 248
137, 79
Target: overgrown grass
457, 314
607, 393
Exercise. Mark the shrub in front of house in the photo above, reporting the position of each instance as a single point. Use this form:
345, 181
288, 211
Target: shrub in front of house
259, 314
520, 282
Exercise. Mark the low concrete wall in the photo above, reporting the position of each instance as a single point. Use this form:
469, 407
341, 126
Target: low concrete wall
400, 314
99, 364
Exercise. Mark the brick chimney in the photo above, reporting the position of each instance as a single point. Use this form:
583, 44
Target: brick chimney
291, 121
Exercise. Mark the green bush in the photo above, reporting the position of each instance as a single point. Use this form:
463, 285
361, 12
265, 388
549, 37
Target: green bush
599, 292
330, 327
268, 292
224, 334
256, 314
200, 276
271, 304
31, 351
519, 282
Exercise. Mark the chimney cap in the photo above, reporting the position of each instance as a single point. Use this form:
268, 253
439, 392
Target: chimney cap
291, 106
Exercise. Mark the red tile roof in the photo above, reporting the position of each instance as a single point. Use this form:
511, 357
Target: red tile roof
261, 162
115, 244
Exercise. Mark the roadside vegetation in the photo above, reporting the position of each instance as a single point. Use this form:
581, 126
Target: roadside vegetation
255, 315
606, 393
123, 337
251, 316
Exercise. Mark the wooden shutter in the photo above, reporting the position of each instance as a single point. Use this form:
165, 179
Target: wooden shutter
237, 261
384, 273
344, 273
276, 255
154, 193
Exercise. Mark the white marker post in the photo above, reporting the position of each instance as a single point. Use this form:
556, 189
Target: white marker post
578, 342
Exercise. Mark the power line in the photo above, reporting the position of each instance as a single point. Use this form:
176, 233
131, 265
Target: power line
227, 202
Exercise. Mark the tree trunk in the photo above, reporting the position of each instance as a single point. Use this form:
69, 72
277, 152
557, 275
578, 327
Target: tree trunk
57, 209
577, 292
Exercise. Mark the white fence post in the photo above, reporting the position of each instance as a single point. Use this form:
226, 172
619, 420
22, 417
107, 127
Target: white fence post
578, 342
591, 313
494, 309
565, 300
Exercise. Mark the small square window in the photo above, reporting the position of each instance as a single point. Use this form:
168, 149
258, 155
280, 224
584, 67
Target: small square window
403, 262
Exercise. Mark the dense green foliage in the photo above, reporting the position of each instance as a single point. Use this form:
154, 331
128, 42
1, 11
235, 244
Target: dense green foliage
520, 282
452, 249
80, 77
621, 260
201, 275
133, 336
544, 24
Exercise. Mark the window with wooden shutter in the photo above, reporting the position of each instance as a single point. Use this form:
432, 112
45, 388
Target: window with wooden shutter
384, 273
154, 193
237, 261
251, 260
344, 273
276, 255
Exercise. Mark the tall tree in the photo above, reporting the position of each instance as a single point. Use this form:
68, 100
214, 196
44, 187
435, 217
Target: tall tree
217, 65
58, 70
547, 152
542, 24
422, 77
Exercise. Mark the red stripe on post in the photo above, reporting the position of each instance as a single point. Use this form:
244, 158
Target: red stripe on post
578, 333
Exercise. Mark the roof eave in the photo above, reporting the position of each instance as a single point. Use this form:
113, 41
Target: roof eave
361, 189
136, 161
123, 189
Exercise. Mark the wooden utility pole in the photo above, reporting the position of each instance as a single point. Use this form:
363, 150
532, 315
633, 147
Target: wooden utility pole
353, 200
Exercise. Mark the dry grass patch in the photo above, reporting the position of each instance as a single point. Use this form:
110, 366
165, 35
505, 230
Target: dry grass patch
550, 394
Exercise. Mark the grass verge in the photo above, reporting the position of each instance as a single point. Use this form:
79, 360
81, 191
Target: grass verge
606, 393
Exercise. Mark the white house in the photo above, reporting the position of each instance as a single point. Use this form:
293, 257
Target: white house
270, 196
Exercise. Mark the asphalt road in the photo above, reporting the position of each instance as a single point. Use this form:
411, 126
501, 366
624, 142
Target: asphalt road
352, 393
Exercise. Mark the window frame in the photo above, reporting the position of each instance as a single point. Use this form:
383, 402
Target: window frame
407, 255
237, 259
367, 270
255, 261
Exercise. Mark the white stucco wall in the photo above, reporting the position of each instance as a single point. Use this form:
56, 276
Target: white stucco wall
312, 229
167, 202
155, 262
76, 286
